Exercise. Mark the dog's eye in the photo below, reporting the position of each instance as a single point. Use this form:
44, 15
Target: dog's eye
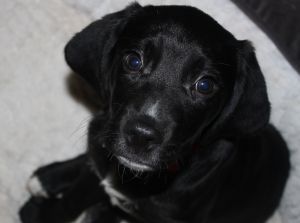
205, 85
133, 62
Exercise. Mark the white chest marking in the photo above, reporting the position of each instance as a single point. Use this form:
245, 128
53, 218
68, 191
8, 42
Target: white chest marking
114, 195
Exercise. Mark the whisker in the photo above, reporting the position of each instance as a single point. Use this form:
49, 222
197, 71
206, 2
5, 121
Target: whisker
83, 124
123, 174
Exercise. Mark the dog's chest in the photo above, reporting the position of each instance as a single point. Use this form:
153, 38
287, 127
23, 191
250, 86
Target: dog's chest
117, 198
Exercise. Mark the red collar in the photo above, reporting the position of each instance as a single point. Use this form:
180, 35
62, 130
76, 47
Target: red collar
175, 167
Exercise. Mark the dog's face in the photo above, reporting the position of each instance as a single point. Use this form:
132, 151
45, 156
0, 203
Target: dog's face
168, 84
170, 76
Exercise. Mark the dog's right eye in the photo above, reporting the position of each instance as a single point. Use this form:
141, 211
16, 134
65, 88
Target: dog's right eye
133, 62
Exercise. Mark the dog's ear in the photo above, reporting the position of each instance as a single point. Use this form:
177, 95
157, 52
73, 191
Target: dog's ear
249, 108
88, 51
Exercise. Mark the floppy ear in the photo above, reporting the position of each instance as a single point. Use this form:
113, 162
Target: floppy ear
88, 51
249, 108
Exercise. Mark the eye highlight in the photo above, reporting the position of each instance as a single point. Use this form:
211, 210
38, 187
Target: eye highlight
205, 85
133, 62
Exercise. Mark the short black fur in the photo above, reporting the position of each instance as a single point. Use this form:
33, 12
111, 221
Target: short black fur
165, 150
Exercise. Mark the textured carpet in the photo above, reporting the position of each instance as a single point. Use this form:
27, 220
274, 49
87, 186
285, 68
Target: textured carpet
42, 123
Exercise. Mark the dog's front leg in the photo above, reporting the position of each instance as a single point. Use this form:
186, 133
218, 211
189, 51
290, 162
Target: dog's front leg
82, 194
54, 179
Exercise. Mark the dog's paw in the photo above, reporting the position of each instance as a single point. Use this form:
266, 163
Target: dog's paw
29, 213
41, 210
33, 211
35, 187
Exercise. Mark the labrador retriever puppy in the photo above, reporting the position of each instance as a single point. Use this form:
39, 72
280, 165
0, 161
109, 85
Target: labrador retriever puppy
184, 136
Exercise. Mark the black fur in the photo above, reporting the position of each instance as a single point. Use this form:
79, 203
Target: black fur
190, 156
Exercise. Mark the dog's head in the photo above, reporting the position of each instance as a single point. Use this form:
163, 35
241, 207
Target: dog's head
170, 77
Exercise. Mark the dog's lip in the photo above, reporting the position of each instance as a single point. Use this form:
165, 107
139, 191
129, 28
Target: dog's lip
134, 165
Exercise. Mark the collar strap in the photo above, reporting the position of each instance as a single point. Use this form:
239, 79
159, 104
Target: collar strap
174, 167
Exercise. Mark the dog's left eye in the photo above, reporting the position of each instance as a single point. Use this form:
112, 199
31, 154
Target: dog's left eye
133, 62
205, 85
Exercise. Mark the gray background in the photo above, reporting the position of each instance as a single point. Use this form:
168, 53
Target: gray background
40, 122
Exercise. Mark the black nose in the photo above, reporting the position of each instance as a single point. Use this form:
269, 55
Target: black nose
138, 134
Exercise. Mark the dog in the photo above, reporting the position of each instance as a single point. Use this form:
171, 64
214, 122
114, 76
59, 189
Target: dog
184, 134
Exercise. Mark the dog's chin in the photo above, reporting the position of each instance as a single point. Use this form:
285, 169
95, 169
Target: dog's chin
135, 161
134, 165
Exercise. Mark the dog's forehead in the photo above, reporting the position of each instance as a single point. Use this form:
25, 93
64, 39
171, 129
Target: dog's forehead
177, 42
184, 21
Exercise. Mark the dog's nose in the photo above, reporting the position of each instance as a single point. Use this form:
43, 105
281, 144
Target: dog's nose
141, 135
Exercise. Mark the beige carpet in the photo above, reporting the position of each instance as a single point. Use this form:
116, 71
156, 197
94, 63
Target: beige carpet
39, 120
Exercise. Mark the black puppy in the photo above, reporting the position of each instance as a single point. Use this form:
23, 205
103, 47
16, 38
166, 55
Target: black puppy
184, 136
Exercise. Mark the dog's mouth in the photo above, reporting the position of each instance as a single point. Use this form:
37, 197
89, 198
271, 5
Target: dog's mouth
136, 166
